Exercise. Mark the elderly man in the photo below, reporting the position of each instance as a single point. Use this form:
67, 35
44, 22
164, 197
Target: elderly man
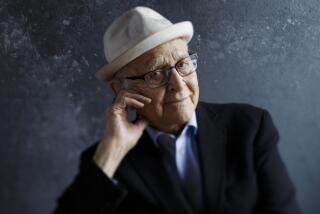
178, 155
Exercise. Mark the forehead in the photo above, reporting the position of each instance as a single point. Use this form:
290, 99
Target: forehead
164, 54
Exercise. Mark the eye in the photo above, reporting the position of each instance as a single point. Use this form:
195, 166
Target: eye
185, 63
182, 64
156, 75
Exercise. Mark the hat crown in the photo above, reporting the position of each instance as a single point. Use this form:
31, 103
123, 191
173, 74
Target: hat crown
136, 32
129, 29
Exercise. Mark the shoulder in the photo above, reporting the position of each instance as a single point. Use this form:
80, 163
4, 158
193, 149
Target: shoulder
244, 109
236, 114
246, 124
231, 107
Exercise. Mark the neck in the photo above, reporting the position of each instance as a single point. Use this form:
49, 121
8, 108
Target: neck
171, 129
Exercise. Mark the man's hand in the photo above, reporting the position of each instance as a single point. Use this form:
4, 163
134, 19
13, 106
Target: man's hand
121, 135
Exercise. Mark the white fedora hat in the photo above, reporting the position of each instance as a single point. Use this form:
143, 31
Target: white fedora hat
136, 32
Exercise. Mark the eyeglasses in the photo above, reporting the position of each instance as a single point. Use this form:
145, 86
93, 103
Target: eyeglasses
160, 77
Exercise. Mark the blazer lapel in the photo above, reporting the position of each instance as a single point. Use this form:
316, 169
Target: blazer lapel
147, 162
211, 144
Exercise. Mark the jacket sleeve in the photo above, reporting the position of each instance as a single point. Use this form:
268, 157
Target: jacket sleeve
276, 190
91, 191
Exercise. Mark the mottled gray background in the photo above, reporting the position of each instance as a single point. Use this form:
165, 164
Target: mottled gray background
263, 52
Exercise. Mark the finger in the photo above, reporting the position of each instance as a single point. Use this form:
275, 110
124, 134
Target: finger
139, 97
133, 103
128, 102
133, 94
141, 123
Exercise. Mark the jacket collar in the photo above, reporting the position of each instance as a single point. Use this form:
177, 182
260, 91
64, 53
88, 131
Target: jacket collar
212, 136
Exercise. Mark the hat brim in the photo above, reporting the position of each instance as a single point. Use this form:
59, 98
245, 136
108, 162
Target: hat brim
181, 29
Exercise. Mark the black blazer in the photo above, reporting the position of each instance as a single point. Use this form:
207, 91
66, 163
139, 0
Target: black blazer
242, 171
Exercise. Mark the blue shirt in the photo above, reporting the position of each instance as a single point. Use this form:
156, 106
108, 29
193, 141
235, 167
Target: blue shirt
185, 144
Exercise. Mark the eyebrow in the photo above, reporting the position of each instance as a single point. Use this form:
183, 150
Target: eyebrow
158, 61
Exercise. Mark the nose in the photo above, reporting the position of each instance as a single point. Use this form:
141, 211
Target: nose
176, 82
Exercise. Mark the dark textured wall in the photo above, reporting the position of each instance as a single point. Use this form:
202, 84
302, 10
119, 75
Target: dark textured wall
263, 52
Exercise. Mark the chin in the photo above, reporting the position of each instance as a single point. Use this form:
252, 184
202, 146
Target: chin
180, 116
171, 116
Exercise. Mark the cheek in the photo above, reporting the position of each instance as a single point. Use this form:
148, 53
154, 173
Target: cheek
155, 108
195, 93
194, 89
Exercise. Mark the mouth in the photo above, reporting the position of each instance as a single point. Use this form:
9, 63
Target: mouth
176, 101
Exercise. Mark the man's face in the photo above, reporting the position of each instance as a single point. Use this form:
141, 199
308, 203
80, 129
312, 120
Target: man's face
173, 104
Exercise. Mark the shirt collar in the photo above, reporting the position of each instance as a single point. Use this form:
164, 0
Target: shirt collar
192, 124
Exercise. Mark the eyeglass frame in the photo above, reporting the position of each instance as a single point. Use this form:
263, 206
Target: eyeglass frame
168, 69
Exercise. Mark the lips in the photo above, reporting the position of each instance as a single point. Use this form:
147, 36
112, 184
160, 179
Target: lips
172, 101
